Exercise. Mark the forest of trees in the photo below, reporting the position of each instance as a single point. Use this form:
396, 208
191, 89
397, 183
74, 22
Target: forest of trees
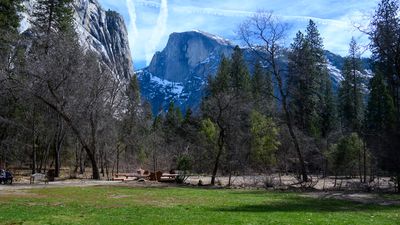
60, 107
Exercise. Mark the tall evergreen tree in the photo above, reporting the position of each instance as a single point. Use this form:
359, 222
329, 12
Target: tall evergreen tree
381, 127
380, 115
262, 90
350, 91
9, 17
9, 23
52, 16
221, 81
314, 39
302, 84
328, 112
385, 37
309, 84
133, 92
239, 74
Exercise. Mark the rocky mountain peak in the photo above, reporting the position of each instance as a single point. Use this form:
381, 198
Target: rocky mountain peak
185, 52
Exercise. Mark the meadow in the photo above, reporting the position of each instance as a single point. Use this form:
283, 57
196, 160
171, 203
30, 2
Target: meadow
181, 205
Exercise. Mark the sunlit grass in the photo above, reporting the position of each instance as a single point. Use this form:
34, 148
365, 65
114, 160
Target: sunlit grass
124, 205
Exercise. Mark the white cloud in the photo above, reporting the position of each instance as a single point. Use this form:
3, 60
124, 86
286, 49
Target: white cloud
158, 32
151, 21
132, 28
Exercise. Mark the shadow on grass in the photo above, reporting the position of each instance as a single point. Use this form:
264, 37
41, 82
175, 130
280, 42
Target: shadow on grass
299, 204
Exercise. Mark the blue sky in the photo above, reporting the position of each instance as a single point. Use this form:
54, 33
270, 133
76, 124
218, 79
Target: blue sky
150, 22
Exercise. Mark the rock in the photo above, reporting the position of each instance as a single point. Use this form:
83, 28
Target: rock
103, 32
179, 72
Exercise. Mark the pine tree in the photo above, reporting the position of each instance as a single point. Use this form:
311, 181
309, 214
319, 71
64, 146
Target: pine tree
262, 90
9, 23
380, 110
173, 119
328, 112
314, 39
312, 102
9, 17
53, 16
385, 36
221, 81
239, 74
381, 127
350, 92
303, 101
133, 91
309, 84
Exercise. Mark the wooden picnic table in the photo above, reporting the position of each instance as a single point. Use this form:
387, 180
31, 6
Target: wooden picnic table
169, 175
126, 176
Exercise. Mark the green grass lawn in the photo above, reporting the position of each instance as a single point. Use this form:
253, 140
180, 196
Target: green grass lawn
124, 205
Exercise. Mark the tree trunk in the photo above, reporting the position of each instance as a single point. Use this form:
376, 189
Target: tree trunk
359, 166
220, 149
289, 121
95, 168
154, 162
81, 162
102, 163
56, 163
365, 161
92, 152
106, 165
295, 142
398, 183
230, 177
215, 170
118, 160
58, 146
33, 143
76, 159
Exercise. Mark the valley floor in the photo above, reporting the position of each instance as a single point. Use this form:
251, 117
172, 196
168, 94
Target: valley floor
150, 203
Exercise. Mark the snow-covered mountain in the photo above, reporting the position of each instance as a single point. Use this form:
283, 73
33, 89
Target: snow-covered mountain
103, 32
179, 72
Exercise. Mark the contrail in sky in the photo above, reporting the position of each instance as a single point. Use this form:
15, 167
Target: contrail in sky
158, 31
132, 30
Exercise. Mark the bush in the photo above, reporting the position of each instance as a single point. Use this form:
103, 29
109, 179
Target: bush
184, 166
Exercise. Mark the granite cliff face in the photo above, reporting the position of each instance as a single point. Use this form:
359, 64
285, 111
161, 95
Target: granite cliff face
188, 54
103, 32
179, 73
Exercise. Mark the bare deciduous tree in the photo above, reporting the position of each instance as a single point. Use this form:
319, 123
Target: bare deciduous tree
265, 34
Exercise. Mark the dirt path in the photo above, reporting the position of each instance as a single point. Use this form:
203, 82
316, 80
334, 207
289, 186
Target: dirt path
79, 183
66, 183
